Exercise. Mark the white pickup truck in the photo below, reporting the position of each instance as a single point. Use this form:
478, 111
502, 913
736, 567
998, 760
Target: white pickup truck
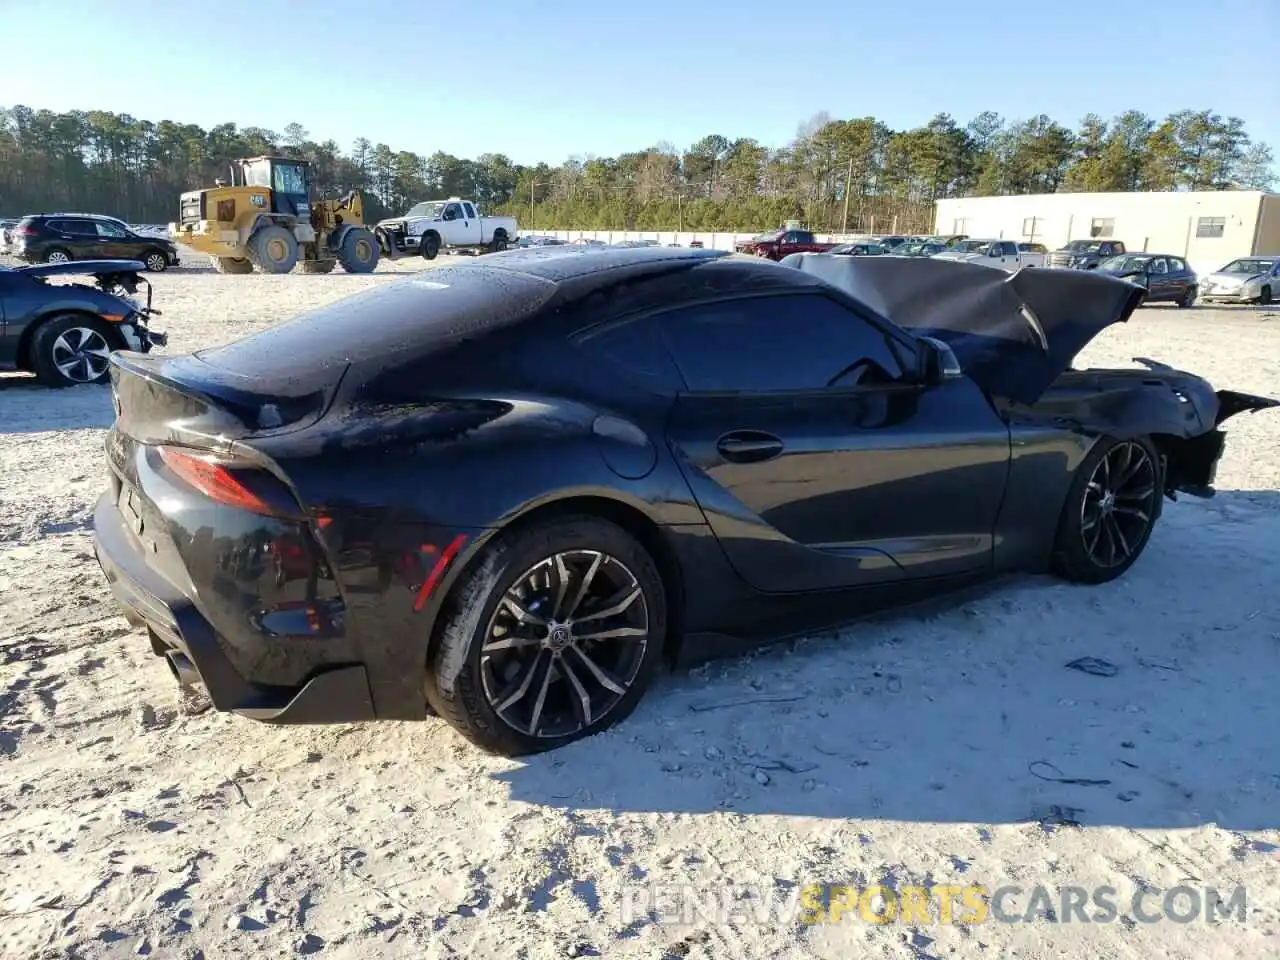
1004, 254
435, 225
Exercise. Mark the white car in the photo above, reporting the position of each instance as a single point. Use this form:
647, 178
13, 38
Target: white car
1247, 280
453, 224
993, 253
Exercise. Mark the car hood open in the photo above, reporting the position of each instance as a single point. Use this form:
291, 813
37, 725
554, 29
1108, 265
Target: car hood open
1013, 333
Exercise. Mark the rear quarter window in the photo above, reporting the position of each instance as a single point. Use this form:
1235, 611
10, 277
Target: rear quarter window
637, 351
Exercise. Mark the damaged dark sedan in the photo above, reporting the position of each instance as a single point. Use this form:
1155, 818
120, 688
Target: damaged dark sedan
506, 491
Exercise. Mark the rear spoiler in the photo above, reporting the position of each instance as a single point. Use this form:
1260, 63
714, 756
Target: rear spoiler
185, 401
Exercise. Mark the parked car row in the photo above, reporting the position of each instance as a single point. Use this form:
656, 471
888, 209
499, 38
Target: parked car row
67, 237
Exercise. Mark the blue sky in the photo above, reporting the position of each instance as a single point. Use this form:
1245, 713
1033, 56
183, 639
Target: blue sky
544, 81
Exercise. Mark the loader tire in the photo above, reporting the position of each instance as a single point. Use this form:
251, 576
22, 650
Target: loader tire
273, 249
232, 265
359, 252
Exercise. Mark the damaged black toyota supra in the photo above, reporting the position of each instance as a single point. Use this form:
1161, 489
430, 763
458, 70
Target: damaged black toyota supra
506, 491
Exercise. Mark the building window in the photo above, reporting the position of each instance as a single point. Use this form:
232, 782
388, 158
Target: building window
1210, 226
1102, 227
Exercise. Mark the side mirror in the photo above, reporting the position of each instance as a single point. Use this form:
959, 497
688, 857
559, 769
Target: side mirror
939, 362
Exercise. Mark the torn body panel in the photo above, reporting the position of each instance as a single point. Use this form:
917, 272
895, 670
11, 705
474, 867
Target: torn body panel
1179, 411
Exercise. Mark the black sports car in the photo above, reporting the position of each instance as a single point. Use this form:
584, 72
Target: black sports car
505, 490
63, 333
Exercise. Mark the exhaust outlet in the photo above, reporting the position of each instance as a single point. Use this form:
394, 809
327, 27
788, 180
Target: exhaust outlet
183, 669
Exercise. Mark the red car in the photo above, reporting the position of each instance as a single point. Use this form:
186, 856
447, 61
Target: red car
780, 243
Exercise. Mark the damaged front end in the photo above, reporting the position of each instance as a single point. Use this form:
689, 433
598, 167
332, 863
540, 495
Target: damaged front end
1191, 463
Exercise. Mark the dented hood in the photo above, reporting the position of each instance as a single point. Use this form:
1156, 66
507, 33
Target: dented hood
1013, 333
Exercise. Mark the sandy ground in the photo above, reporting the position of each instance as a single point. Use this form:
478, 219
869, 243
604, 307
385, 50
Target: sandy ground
908, 751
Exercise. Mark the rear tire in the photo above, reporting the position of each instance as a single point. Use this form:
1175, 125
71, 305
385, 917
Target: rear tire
58, 255
499, 242
1188, 298
1099, 536
72, 350
273, 249
239, 265
539, 688
359, 252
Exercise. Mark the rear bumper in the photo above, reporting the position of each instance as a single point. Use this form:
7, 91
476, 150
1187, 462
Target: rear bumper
191, 647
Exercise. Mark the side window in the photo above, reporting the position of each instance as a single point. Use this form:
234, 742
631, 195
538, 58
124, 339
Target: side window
1158, 265
795, 342
1176, 265
637, 349
81, 228
109, 230
803, 236
471, 211
1010, 249
453, 212
789, 237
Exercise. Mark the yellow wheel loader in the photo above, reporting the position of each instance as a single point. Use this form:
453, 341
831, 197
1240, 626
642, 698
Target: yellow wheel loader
265, 219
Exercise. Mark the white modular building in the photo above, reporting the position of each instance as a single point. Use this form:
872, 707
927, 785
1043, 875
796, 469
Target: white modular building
1207, 228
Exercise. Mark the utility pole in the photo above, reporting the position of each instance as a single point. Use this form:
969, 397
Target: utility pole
848, 182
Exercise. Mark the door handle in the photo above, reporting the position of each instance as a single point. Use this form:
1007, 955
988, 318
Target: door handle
749, 446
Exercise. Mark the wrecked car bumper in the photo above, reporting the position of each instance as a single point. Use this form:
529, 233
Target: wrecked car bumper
191, 647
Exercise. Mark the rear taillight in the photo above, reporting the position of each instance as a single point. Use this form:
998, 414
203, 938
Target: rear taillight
231, 484
24, 231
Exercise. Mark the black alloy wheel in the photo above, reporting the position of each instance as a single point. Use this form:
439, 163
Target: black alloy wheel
555, 634
1110, 512
564, 644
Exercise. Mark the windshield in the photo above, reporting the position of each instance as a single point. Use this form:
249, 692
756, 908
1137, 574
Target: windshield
1123, 264
971, 246
771, 235
1083, 246
1248, 266
430, 209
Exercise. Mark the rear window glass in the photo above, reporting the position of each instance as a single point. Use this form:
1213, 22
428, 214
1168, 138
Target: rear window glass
440, 307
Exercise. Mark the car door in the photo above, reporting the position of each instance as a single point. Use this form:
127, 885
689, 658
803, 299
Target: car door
115, 241
818, 460
80, 237
1159, 284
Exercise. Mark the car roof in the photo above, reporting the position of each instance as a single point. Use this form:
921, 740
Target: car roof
500, 291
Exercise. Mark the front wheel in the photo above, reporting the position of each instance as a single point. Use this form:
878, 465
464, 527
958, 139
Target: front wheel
71, 350
430, 246
1264, 296
1110, 511
552, 635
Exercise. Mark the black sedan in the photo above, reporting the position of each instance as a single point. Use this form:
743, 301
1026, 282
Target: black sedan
63, 333
1164, 277
507, 490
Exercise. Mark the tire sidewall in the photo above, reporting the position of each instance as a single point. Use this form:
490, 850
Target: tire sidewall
430, 247
65, 253
1069, 557
457, 647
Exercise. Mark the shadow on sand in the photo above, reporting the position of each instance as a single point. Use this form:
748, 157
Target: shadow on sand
969, 712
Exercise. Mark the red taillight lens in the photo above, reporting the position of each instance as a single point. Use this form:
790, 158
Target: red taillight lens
227, 484
24, 231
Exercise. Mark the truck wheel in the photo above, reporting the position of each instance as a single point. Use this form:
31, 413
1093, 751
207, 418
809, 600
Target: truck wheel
430, 246
232, 265
273, 249
499, 242
359, 251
